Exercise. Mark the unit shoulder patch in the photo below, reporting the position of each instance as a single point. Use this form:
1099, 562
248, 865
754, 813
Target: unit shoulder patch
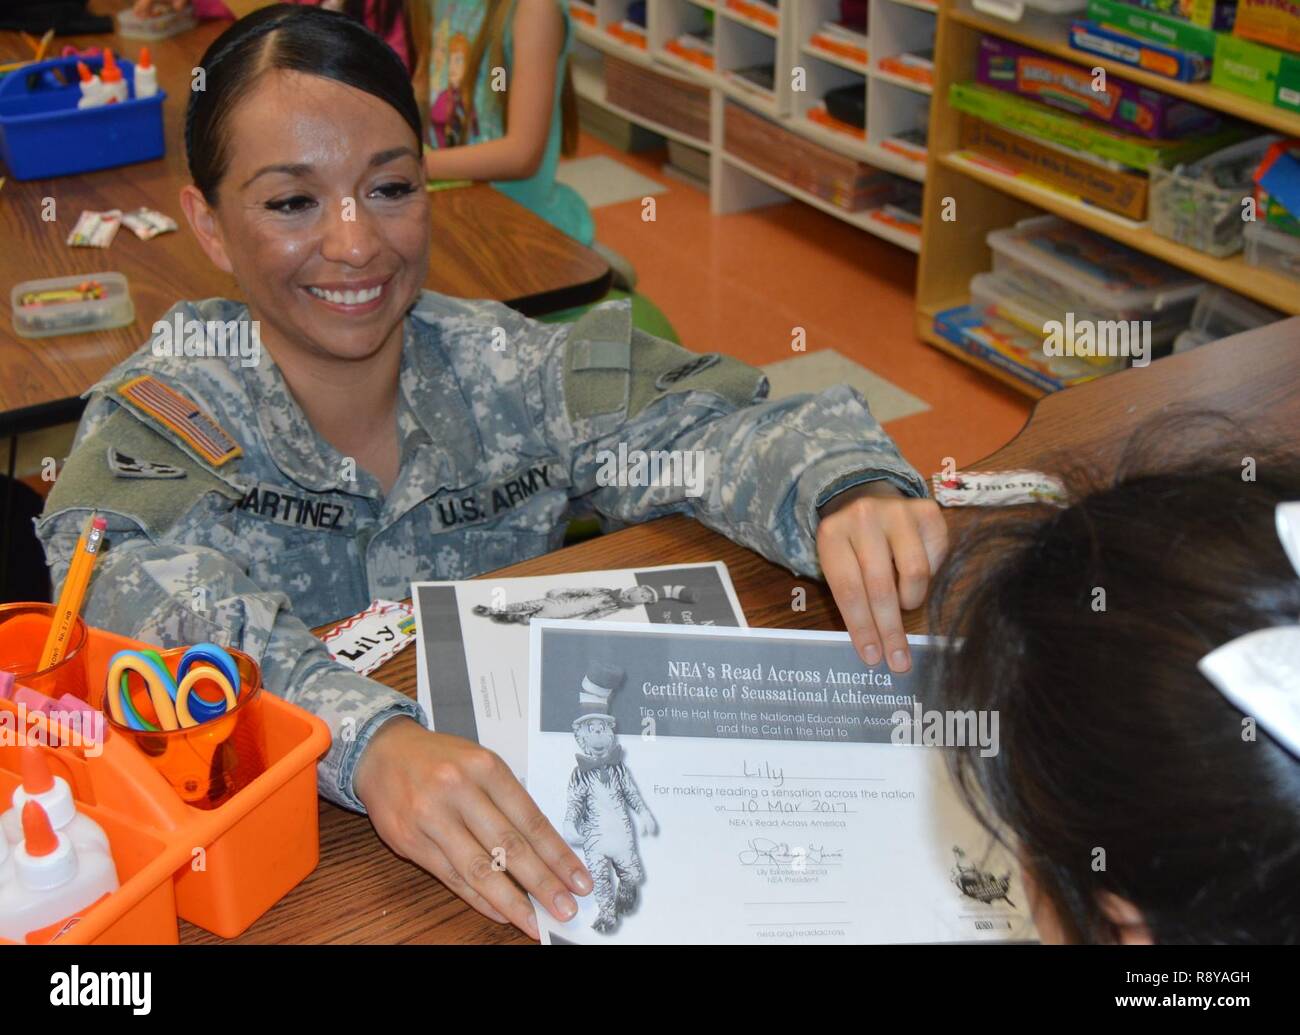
186, 419
129, 467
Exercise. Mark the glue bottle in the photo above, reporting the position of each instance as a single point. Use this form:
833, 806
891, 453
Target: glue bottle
6, 860
92, 90
53, 881
146, 76
115, 88
55, 797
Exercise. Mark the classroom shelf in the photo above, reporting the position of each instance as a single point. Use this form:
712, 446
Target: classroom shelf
1044, 33
893, 103
835, 59
964, 200
859, 219
900, 80
746, 20
1263, 285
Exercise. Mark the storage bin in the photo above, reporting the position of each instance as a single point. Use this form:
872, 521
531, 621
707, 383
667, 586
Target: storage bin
1200, 204
1272, 249
44, 134
33, 319
220, 868
1079, 271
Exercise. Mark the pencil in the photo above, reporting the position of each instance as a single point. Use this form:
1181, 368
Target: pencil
74, 591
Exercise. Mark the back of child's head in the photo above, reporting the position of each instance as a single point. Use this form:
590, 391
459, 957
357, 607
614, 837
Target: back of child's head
1122, 771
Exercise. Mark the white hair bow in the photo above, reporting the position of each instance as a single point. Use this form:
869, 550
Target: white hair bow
1260, 672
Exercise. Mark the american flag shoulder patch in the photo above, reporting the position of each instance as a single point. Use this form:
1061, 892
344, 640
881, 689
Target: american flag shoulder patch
193, 424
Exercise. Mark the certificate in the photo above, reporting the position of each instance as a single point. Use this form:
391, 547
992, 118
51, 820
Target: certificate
472, 644
757, 786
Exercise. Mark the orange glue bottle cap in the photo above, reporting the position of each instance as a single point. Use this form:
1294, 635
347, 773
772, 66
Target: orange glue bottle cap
38, 836
45, 860
110, 73
84, 71
37, 778
145, 60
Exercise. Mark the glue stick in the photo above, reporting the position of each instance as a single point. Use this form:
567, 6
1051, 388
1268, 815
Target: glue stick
146, 76
110, 75
53, 880
92, 90
55, 797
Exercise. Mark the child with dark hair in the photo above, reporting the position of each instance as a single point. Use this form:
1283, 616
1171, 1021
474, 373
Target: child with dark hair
1142, 651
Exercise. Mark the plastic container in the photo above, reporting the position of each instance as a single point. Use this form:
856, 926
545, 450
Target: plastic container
219, 868
158, 27
1200, 204
35, 319
1081, 271
23, 628
44, 134
1272, 249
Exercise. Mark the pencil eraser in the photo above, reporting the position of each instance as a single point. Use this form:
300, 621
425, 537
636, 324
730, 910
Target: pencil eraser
6, 684
33, 699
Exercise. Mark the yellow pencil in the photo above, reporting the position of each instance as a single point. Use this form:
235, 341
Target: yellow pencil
74, 591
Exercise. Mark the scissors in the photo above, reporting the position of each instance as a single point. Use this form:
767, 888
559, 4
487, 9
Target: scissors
175, 705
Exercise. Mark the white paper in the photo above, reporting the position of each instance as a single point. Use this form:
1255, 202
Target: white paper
482, 662
753, 819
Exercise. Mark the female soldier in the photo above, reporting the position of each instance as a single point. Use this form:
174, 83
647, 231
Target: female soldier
268, 466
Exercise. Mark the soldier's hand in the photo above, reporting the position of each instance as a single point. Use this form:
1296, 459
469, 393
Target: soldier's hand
455, 808
878, 550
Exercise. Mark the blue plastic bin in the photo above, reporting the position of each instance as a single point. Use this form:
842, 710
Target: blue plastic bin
43, 133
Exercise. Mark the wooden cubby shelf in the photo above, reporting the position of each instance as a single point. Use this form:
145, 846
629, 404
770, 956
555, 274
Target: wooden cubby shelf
984, 199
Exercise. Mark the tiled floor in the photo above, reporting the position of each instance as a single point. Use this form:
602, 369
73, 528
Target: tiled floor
743, 283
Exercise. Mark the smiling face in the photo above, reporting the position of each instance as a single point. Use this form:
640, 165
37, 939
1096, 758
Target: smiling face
321, 216
595, 737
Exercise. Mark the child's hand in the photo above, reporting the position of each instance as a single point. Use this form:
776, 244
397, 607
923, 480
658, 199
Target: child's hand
867, 536
455, 808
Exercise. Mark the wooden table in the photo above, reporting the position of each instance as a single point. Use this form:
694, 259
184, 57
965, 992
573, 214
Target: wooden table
484, 246
361, 892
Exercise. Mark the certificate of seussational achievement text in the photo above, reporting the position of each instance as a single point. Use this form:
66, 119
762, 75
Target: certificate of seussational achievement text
758, 786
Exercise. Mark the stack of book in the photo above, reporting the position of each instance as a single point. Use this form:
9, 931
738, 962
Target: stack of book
695, 48
842, 181
670, 102
841, 40
1168, 38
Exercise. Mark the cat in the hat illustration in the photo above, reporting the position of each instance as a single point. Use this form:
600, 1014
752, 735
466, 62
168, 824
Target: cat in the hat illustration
602, 801
587, 602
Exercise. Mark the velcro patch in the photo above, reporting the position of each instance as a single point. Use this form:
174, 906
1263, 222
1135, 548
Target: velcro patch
198, 430
124, 466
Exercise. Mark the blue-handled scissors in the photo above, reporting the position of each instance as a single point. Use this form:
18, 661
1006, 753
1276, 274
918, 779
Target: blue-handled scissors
174, 704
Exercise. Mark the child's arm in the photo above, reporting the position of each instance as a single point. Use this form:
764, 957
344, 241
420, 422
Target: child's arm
538, 42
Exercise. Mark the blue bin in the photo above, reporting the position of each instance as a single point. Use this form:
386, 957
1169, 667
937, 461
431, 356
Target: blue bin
43, 133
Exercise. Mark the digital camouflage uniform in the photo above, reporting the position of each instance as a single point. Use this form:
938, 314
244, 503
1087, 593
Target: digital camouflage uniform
501, 422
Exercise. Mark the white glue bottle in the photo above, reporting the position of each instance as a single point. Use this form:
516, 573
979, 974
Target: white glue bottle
55, 797
92, 89
6, 861
146, 76
52, 880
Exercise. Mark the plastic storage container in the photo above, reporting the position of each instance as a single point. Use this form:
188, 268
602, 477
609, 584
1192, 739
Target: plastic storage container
43, 133
1199, 204
1272, 249
35, 317
1070, 269
159, 27
1221, 313
219, 868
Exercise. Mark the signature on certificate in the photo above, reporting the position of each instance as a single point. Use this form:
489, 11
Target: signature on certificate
761, 851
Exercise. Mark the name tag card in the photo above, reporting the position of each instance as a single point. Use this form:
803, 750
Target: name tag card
366, 640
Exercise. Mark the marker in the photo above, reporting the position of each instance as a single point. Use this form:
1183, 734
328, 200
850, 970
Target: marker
74, 591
